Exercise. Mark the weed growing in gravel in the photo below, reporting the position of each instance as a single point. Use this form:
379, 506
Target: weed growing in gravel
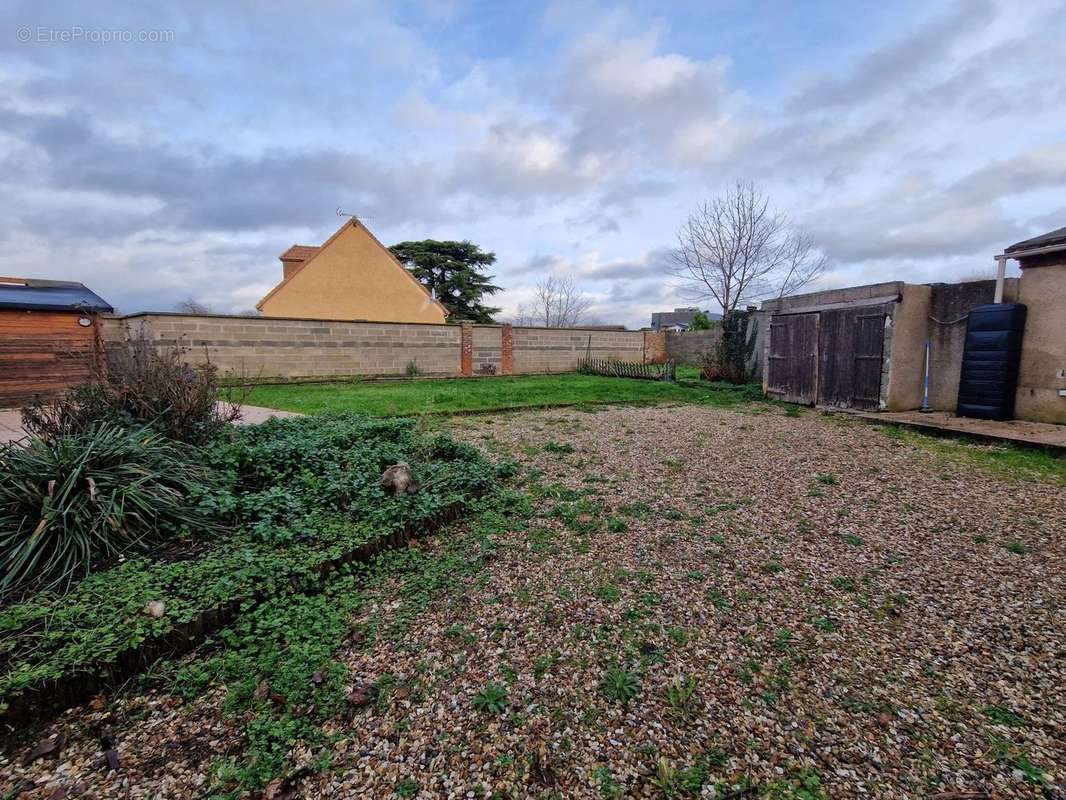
608, 592
617, 525
853, 540
607, 786
845, 583
1015, 757
805, 784
491, 700
679, 696
823, 624
619, 684
1003, 716
408, 787
719, 600
559, 449
1017, 547
638, 509
826, 479
773, 566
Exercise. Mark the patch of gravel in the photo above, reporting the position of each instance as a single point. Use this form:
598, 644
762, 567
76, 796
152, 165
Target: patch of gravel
844, 604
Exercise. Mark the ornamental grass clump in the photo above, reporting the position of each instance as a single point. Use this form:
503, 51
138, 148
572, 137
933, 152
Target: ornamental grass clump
88, 496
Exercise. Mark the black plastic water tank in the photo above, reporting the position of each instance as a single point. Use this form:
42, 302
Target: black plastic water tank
990, 361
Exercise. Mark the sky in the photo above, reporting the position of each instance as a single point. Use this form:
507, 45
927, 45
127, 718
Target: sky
164, 151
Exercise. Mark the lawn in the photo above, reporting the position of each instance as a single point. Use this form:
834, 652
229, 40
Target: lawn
676, 601
449, 395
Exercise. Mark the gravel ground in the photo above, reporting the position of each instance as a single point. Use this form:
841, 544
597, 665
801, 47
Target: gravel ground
841, 609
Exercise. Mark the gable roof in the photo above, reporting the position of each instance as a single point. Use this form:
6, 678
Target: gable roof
355, 223
299, 252
33, 294
1049, 239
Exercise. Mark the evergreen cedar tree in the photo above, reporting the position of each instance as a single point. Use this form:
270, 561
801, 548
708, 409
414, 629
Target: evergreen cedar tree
453, 271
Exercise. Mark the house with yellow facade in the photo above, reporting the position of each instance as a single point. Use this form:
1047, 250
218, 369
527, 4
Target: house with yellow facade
350, 276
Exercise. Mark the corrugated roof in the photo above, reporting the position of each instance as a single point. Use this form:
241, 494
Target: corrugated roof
1057, 236
33, 294
299, 252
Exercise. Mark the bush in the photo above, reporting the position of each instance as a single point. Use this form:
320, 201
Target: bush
88, 495
144, 383
730, 358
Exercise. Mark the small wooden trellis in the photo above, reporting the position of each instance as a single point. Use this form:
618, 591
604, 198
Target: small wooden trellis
666, 371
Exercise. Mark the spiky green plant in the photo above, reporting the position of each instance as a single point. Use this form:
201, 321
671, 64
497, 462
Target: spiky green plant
90, 495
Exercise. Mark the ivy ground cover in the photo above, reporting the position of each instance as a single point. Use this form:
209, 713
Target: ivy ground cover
292, 500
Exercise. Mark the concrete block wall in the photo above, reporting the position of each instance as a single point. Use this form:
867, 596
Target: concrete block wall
273, 348
539, 350
276, 349
487, 350
689, 347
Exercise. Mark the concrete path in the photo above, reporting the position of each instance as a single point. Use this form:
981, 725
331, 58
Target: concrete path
11, 422
10, 426
1043, 435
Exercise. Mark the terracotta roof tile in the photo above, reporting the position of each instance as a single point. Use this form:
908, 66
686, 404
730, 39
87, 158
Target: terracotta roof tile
298, 252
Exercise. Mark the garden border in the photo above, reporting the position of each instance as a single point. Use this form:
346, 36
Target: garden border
32, 706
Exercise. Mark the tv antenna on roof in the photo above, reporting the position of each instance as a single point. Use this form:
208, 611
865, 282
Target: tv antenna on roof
341, 213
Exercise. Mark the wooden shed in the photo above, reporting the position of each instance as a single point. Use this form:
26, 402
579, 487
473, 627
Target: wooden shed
860, 347
49, 337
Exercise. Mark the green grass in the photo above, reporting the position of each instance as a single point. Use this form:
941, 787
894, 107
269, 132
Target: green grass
1003, 460
452, 395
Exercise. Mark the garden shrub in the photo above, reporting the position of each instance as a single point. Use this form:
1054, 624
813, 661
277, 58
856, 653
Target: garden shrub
731, 355
80, 497
144, 383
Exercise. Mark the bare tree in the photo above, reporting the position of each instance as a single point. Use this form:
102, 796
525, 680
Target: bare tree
736, 249
191, 306
559, 303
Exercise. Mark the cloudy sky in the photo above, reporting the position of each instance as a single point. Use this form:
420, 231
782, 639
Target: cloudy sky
913, 140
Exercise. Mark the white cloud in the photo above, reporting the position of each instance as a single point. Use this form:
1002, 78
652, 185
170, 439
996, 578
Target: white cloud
583, 140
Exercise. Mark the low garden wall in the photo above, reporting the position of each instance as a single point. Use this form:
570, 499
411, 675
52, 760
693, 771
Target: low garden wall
289, 349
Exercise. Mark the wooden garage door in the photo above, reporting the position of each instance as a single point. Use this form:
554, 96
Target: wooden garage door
849, 357
792, 372
42, 352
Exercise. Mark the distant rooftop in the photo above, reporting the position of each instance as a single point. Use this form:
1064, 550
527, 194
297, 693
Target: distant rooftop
678, 317
33, 294
1049, 239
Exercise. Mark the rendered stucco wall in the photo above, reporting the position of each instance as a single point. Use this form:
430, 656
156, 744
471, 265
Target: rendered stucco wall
949, 309
353, 277
906, 355
1043, 290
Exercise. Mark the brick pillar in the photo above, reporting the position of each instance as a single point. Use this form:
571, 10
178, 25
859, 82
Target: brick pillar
468, 348
506, 349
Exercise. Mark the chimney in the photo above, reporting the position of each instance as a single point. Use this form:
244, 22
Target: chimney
294, 257
289, 266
